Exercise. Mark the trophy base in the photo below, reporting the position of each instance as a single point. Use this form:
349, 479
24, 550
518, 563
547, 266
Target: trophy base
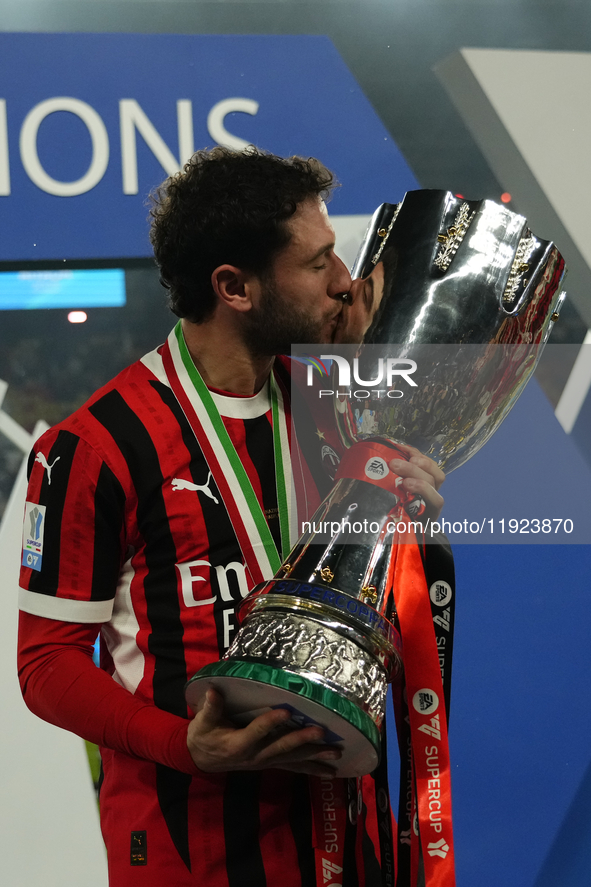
252, 688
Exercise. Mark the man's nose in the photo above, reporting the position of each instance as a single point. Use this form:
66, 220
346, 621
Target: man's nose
341, 281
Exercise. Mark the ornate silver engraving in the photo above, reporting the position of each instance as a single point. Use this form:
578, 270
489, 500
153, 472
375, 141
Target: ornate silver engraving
376, 257
519, 267
454, 235
306, 646
383, 647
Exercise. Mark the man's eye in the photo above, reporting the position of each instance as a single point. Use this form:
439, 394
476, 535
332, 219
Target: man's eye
320, 267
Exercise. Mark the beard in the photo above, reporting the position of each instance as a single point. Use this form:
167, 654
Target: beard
277, 324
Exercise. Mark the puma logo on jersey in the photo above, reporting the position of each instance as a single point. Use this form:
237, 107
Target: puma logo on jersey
178, 483
39, 457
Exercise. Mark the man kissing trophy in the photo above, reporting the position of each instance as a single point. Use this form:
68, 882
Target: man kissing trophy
366, 596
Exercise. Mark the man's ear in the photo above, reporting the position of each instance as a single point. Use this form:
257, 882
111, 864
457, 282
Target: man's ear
234, 287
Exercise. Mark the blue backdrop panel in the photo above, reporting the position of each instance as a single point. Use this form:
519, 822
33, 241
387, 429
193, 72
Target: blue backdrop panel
529, 469
567, 863
521, 719
309, 103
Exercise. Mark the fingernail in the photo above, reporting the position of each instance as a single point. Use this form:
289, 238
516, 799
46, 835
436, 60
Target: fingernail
329, 755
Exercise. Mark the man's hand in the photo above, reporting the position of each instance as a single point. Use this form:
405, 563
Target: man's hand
217, 746
422, 477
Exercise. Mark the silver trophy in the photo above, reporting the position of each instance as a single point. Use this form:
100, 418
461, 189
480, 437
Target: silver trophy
320, 638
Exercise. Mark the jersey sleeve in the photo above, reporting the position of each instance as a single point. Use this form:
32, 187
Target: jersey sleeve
73, 536
61, 684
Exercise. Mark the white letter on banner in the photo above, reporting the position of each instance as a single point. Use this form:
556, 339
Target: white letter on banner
4, 165
132, 117
187, 581
100, 147
215, 121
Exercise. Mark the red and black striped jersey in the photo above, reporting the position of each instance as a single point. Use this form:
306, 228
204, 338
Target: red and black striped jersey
132, 512
125, 527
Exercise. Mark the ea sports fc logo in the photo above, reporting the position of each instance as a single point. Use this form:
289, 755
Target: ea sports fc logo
376, 468
441, 593
425, 701
438, 848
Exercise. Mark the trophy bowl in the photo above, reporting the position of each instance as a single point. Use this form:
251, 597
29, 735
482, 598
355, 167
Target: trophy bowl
323, 654
470, 296
321, 638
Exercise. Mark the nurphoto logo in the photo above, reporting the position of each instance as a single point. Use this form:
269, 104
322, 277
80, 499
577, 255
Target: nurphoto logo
388, 372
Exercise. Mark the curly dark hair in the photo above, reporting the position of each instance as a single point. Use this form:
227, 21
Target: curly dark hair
226, 207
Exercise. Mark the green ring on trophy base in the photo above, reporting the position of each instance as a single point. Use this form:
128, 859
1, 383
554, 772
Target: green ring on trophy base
250, 688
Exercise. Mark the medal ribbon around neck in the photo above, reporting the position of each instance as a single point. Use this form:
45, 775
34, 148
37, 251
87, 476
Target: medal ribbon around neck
245, 512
